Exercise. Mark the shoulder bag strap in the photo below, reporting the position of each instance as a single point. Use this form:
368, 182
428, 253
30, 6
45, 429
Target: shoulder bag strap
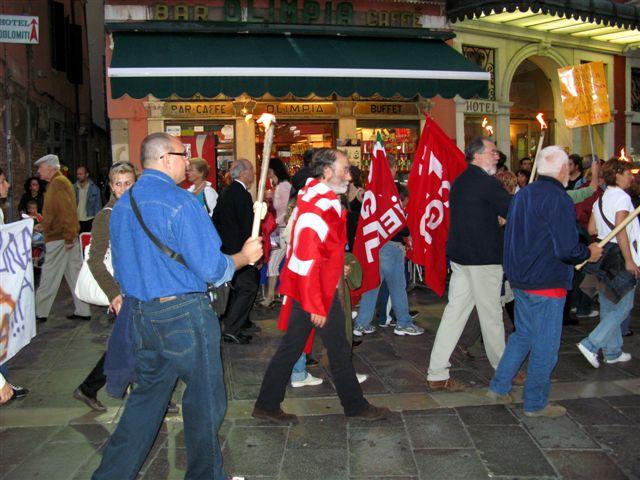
166, 250
606, 220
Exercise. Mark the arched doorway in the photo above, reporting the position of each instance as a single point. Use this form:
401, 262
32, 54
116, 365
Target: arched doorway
530, 93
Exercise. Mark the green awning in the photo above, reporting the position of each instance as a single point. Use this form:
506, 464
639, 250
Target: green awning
186, 64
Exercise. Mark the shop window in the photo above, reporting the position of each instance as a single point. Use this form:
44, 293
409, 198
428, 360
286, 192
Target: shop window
635, 90
399, 139
485, 58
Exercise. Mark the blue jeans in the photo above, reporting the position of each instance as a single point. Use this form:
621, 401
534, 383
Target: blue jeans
608, 335
537, 334
299, 371
381, 303
393, 274
626, 324
178, 338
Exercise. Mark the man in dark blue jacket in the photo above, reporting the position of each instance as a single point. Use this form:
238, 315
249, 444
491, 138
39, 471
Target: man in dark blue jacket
540, 249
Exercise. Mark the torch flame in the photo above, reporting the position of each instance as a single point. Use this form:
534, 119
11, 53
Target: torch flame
540, 118
623, 156
485, 121
266, 119
489, 129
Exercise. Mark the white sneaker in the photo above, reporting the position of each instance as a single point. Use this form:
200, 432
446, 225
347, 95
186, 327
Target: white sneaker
308, 381
623, 357
412, 330
362, 377
359, 331
591, 314
591, 357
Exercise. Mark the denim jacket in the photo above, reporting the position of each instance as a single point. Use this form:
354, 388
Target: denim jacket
94, 200
177, 219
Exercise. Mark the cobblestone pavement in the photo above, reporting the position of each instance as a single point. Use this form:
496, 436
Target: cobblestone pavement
431, 435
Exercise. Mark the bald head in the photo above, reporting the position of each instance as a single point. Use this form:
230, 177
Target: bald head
154, 146
164, 152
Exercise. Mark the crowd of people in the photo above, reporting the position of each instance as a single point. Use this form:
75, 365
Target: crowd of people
512, 247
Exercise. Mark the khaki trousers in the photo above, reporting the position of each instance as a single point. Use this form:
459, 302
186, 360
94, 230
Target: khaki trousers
59, 262
470, 285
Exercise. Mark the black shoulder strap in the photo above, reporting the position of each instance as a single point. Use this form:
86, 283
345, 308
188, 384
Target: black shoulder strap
606, 220
166, 250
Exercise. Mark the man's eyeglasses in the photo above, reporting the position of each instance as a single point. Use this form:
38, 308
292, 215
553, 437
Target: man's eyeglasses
184, 154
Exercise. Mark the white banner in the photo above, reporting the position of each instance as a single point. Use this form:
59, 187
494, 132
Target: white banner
19, 29
17, 292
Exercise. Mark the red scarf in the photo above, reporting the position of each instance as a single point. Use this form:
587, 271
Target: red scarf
315, 255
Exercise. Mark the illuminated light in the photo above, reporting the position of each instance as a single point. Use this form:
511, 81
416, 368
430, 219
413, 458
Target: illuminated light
532, 20
560, 23
540, 118
248, 117
623, 157
490, 129
630, 39
596, 31
485, 121
506, 16
618, 35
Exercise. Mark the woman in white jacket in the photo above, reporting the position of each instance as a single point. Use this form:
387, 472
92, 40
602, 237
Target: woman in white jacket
197, 174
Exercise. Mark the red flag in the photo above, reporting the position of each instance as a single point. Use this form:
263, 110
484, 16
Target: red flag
381, 217
437, 163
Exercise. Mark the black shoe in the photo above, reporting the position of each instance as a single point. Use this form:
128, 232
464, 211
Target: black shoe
356, 343
92, 403
413, 313
19, 392
251, 327
238, 339
628, 333
78, 317
311, 362
41, 319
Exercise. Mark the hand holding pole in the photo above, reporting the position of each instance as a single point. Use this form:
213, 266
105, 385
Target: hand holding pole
268, 121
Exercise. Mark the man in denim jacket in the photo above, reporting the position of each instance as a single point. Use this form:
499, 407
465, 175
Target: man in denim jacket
175, 331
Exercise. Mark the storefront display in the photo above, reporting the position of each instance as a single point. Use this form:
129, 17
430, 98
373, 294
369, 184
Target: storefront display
399, 138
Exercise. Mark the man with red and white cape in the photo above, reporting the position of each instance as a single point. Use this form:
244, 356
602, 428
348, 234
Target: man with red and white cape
309, 281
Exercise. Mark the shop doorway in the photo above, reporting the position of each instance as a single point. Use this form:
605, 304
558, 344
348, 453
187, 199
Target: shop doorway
293, 138
213, 142
530, 93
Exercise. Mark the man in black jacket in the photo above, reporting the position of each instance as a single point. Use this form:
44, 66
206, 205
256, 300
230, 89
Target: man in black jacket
233, 218
475, 249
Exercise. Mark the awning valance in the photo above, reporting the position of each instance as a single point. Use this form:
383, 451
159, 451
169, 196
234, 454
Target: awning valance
602, 20
213, 64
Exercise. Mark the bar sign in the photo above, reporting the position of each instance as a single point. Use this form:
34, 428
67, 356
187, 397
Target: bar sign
19, 29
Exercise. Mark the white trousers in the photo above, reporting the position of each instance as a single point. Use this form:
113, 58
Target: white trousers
59, 262
470, 285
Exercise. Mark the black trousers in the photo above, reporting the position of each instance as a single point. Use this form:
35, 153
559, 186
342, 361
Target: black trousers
245, 284
85, 225
95, 380
334, 338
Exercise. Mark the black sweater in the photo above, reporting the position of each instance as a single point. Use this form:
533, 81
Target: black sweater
475, 237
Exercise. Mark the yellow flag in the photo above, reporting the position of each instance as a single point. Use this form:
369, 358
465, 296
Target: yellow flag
584, 94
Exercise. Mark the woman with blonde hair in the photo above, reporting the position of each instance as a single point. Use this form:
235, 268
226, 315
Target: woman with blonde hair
197, 174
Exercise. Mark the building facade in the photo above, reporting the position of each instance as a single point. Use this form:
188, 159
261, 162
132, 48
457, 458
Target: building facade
523, 50
47, 100
333, 74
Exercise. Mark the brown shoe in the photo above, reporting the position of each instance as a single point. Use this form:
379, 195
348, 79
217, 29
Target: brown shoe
275, 416
448, 385
519, 379
372, 413
93, 403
